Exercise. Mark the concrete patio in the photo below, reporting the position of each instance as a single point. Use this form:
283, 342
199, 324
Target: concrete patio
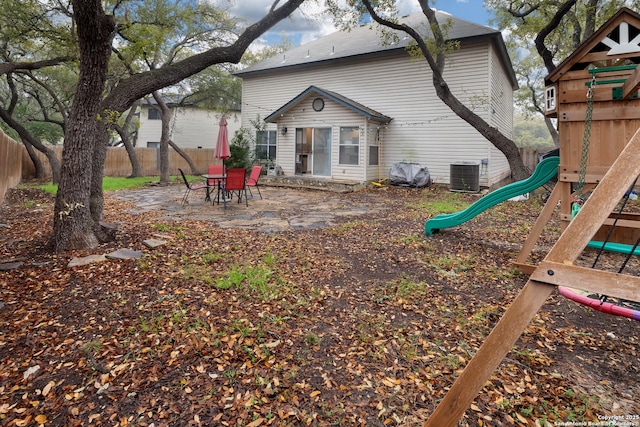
280, 209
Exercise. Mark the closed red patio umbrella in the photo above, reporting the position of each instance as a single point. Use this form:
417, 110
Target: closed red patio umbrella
223, 151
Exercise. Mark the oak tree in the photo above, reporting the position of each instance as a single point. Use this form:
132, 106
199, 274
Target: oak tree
79, 202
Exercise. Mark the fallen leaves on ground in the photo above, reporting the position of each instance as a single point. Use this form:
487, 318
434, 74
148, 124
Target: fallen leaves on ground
364, 323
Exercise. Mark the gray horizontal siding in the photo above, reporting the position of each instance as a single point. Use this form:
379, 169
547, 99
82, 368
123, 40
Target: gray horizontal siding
192, 127
423, 129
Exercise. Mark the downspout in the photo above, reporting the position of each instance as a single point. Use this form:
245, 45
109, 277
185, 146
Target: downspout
379, 152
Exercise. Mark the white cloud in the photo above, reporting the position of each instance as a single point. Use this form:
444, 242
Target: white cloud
306, 24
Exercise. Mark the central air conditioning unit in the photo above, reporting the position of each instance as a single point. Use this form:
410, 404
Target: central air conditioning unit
465, 177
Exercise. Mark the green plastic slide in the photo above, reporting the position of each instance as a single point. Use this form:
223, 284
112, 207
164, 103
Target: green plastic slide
545, 171
620, 248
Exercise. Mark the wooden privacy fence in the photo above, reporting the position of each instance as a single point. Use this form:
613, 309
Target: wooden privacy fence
117, 162
529, 158
10, 164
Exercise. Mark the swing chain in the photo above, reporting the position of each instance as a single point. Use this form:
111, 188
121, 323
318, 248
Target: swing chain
584, 157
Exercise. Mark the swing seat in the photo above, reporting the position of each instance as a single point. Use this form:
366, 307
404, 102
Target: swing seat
596, 303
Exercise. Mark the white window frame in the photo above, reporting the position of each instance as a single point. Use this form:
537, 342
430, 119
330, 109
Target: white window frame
352, 143
271, 142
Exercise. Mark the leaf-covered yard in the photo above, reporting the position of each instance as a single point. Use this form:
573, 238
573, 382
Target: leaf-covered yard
366, 322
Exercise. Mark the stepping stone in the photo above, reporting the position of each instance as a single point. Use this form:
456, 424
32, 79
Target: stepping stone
124, 254
7, 266
153, 243
75, 262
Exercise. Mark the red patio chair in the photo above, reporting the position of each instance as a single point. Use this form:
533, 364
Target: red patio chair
235, 183
191, 187
254, 176
215, 170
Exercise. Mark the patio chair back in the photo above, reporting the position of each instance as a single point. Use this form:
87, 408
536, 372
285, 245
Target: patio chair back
235, 183
254, 177
190, 187
215, 170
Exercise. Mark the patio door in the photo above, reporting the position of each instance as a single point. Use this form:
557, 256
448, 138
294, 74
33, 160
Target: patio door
321, 158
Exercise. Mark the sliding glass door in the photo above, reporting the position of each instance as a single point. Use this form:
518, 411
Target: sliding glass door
322, 151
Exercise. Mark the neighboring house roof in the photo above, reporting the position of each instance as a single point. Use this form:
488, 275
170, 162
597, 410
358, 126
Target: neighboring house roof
180, 101
342, 100
367, 40
170, 100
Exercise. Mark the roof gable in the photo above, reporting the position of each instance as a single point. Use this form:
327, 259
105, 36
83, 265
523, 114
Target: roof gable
342, 100
367, 40
616, 42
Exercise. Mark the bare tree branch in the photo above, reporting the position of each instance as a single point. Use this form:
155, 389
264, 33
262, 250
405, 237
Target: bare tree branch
501, 142
142, 84
545, 53
9, 67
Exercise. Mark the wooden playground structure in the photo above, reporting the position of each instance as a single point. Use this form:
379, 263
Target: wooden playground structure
594, 96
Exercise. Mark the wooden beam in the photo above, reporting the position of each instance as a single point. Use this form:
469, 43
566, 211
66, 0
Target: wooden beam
575, 96
623, 223
631, 85
537, 229
490, 355
574, 177
531, 298
593, 174
611, 113
602, 57
588, 279
602, 201
525, 268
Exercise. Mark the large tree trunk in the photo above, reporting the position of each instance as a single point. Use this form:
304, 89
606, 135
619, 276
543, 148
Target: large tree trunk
501, 142
136, 169
85, 140
96, 201
166, 141
73, 225
185, 156
552, 131
165, 115
123, 131
37, 164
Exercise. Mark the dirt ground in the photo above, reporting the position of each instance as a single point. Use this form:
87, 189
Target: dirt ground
363, 322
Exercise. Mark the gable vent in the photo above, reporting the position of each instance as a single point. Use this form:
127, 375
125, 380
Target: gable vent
465, 177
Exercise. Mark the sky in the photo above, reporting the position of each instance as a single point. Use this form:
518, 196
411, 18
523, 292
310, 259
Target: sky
308, 24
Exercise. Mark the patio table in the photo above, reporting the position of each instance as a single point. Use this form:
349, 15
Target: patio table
218, 178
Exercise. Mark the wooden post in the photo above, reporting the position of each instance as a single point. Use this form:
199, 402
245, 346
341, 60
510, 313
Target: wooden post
536, 231
533, 295
631, 85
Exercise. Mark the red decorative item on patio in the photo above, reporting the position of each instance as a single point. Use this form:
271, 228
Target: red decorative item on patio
235, 183
223, 150
254, 176
215, 170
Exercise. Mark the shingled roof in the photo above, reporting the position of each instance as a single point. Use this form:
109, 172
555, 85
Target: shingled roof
369, 113
366, 40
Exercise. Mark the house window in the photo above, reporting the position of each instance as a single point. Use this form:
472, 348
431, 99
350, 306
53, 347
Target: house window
349, 146
266, 145
373, 155
154, 114
550, 98
374, 146
153, 144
